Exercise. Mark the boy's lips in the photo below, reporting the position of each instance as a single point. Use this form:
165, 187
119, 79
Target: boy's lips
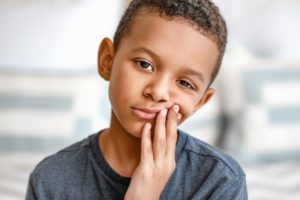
146, 113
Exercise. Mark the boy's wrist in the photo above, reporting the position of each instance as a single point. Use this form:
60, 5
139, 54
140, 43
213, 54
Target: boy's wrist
129, 196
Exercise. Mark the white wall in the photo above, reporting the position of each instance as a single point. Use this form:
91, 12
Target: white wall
267, 28
65, 34
54, 34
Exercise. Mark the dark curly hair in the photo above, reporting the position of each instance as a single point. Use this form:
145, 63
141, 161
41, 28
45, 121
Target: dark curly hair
203, 15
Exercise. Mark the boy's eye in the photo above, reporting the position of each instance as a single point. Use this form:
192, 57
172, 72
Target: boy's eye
145, 65
186, 84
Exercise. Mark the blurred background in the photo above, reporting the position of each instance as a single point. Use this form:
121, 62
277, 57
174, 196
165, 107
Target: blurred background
51, 95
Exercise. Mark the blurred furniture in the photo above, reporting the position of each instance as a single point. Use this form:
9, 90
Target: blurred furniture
260, 102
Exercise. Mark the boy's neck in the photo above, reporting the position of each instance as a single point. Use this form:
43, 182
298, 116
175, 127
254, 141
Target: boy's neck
120, 149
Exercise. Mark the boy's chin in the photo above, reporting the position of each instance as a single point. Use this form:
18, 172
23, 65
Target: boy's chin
136, 130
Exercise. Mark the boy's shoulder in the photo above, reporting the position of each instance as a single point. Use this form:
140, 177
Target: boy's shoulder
204, 172
206, 154
67, 162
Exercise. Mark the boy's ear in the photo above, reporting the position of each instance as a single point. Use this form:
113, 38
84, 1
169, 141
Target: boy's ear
105, 58
205, 98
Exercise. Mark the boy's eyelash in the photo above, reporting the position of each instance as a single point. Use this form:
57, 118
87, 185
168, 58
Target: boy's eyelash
186, 84
144, 64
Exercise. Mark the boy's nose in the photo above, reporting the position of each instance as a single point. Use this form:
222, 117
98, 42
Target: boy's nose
158, 90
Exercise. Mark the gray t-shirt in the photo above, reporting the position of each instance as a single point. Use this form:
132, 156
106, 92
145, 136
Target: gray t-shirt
81, 172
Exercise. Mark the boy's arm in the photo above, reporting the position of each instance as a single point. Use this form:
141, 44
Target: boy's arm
30, 194
232, 189
236, 189
157, 160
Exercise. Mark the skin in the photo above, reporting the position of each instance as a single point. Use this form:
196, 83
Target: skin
149, 70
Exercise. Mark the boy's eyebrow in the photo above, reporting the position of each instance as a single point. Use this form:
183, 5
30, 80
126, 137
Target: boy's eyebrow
190, 71
148, 51
187, 70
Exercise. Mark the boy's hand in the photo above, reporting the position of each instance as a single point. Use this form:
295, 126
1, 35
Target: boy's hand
157, 159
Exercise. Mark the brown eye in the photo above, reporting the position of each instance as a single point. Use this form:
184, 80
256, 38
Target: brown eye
186, 84
145, 65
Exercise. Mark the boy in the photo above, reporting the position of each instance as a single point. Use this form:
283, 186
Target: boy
164, 57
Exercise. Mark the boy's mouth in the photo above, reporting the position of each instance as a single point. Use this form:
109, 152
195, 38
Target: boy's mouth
145, 113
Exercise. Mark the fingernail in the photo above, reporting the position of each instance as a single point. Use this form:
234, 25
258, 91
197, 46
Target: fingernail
179, 116
176, 108
164, 112
148, 126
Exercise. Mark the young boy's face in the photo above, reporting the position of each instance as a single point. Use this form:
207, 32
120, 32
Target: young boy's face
159, 63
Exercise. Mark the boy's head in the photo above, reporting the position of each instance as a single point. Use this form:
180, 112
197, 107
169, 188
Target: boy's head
203, 15
164, 53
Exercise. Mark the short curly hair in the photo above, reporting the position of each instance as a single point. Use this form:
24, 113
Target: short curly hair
203, 15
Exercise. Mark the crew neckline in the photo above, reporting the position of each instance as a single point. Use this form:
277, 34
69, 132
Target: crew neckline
103, 164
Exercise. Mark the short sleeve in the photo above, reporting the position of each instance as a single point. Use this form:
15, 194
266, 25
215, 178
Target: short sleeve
235, 189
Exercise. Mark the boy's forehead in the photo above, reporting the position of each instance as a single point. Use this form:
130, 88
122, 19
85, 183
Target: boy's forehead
145, 16
149, 27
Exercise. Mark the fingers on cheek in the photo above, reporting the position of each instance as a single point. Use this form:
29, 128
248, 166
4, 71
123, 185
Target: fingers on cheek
162, 116
146, 140
173, 116
179, 116
161, 121
183, 114
176, 110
